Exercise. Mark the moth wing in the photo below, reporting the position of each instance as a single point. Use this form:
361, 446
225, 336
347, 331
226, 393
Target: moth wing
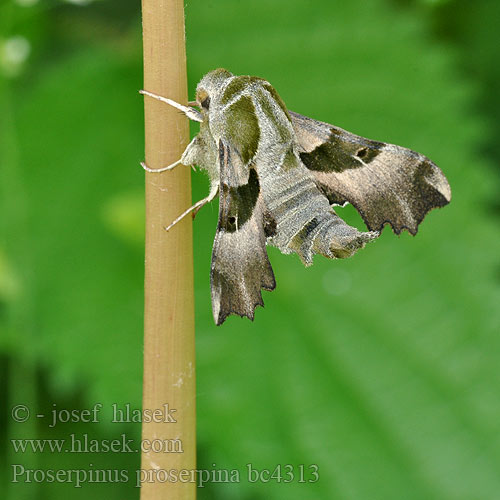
240, 265
384, 182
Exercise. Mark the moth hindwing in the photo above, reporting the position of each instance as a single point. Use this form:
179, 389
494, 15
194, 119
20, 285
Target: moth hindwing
279, 173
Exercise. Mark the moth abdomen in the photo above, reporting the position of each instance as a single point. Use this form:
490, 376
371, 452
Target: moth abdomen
305, 222
329, 236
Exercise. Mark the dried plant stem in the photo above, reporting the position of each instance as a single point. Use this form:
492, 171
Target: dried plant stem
169, 356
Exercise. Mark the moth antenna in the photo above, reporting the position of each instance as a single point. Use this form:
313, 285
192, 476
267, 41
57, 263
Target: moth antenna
191, 113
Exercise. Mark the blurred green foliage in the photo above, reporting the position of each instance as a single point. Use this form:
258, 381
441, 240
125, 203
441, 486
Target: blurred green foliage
381, 369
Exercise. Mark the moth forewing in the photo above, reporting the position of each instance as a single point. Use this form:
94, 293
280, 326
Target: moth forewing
240, 265
387, 184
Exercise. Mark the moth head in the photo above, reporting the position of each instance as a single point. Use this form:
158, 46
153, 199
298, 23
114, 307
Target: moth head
209, 86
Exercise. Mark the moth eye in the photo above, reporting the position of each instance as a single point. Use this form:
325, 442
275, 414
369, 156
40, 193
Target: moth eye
232, 220
362, 153
205, 103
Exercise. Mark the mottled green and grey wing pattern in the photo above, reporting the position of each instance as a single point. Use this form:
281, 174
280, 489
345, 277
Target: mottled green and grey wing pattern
267, 196
240, 265
303, 220
385, 183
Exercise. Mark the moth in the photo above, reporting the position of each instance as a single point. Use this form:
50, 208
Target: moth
278, 174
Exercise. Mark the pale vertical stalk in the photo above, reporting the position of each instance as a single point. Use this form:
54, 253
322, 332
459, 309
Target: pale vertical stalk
169, 356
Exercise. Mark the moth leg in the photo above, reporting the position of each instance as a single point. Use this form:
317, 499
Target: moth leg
188, 158
196, 207
163, 169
